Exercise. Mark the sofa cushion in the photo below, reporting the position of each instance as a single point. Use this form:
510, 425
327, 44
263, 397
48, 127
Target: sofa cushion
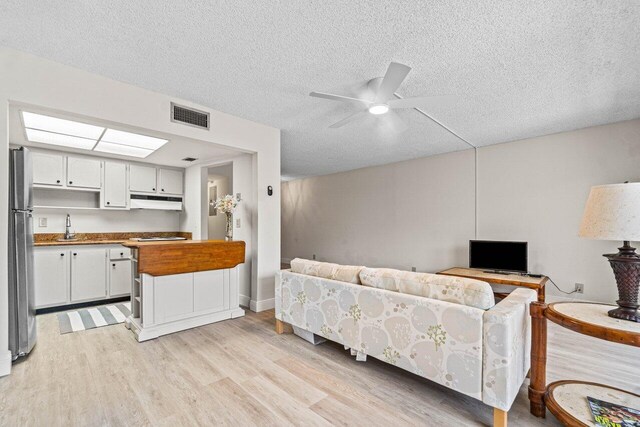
469, 292
327, 270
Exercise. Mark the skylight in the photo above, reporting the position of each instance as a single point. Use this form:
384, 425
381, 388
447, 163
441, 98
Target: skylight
65, 127
43, 137
68, 133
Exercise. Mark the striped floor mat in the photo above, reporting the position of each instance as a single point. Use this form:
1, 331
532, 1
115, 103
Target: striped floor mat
94, 317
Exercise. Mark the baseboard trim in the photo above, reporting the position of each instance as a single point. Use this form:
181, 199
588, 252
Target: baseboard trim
263, 305
244, 300
5, 364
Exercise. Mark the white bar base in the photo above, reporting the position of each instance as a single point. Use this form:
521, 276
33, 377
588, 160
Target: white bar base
152, 332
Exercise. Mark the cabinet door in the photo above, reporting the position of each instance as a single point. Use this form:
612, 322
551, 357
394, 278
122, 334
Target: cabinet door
170, 181
115, 185
48, 169
142, 179
85, 173
119, 278
51, 276
88, 274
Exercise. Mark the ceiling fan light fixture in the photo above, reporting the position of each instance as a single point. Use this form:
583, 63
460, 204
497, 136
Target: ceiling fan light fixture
378, 109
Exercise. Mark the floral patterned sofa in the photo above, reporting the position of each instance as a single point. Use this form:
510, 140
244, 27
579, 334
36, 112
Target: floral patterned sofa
446, 329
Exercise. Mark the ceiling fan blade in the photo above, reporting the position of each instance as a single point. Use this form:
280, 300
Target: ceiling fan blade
422, 101
333, 97
395, 75
347, 119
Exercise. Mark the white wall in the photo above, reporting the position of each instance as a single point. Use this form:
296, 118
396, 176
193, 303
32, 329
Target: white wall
29, 80
421, 212
103, 221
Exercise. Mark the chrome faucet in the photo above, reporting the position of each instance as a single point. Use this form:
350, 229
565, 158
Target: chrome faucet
68, 235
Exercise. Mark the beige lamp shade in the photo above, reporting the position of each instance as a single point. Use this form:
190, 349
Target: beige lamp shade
612, 213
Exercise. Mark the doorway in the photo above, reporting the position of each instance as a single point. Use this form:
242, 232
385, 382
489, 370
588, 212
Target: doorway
219, 184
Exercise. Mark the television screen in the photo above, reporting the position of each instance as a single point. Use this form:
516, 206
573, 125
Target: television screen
495, 255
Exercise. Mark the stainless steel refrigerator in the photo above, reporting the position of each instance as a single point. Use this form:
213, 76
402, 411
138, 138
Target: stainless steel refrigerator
22, 312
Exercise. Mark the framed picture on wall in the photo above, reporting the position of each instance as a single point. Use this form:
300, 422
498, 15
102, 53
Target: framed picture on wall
213, 196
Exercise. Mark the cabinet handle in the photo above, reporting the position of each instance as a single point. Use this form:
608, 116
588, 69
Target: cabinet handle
113, 265
108, 203
163, 189
75, 253
61, 254
70, 182
57, 181
153, 189
121, 253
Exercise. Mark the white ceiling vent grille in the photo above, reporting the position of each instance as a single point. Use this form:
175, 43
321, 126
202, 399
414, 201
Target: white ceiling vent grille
189, 116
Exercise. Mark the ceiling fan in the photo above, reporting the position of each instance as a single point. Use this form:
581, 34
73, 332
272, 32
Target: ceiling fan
385, 98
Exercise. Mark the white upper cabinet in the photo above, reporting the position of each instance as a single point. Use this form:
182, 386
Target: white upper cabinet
115, 185
48, 169
170, 181
142, 179
84, 173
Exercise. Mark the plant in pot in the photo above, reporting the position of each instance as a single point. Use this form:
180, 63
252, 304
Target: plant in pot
227, 205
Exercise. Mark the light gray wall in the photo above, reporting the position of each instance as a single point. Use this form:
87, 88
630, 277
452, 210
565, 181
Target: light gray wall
536, 190
413, 213
421, 212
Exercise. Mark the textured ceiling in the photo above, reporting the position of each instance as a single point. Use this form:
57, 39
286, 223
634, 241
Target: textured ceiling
520, 68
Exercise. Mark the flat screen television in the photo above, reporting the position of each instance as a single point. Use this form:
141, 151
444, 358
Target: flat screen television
498, 256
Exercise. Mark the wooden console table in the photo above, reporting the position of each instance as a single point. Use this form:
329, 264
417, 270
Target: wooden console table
535, 283
567, 400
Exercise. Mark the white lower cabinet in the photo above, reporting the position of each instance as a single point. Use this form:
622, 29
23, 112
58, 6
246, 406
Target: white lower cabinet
119, 278
70, 274
88, 274
51, 276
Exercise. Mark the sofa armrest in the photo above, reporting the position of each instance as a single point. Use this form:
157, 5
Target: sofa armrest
506, 354
278, 294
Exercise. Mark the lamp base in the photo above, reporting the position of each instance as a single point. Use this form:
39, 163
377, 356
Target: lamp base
625, 314
626, 268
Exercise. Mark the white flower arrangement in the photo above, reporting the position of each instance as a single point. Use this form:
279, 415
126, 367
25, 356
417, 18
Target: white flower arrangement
226, 204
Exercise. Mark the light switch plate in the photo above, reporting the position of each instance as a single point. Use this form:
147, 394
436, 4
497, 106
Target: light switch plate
42, 222
237, 222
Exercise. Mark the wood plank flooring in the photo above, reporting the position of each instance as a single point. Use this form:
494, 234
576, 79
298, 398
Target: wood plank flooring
239, 372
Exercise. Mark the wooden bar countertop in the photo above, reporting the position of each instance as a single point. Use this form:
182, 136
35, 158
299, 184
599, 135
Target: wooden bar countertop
161, 258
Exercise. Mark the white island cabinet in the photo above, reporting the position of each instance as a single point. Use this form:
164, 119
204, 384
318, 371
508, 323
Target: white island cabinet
182, 285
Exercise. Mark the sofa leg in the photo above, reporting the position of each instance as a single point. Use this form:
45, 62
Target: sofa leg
282, 327
499, 418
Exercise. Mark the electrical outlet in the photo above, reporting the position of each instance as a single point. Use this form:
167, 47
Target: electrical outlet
579, 288
237, 222
238, 196
42, 222
314, 256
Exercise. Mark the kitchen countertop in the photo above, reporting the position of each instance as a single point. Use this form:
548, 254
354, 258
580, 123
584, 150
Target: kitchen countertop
51, 239
161, 258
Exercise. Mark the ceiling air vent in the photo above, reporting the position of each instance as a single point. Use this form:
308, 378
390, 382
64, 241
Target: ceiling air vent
189, 159
189, 116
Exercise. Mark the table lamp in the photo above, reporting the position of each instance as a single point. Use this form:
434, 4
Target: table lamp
613, 213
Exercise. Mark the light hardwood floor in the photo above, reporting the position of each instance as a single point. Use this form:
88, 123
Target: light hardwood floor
239, 372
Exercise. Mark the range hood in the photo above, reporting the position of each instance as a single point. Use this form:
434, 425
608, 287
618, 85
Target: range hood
164, 203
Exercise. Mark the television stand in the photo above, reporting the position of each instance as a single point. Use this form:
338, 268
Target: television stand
505, 273
501, 278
